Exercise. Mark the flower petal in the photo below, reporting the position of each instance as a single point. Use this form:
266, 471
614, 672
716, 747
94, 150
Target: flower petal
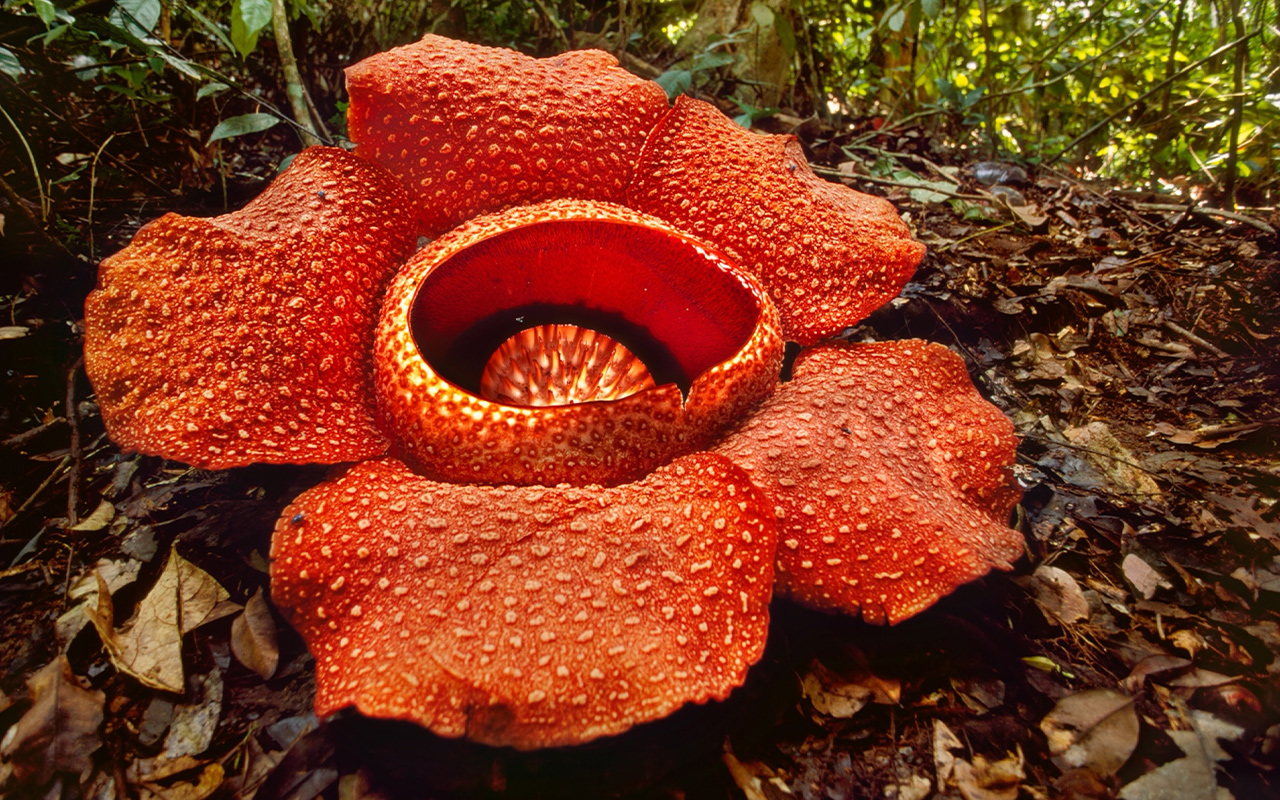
529, 617
828, 255
891, 476
246, 338
472, 129
711, 323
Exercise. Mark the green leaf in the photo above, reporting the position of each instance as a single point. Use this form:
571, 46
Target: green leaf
9, 64
932, 9
137, 16
762, 14
239, 126
675, 82
248, 18
211, 88
786, 34
47, 10
706, 61
896, 21
212, 27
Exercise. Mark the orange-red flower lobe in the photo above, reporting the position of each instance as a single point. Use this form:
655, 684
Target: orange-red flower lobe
828, 255
472, 129
245, 338
890, 474
530, 617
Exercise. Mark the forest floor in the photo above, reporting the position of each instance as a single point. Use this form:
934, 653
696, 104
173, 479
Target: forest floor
1133, 651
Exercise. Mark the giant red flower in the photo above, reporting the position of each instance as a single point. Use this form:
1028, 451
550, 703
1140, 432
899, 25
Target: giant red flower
578, 479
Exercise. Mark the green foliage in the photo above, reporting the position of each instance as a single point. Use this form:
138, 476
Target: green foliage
242, 124
1029, 78
248, 18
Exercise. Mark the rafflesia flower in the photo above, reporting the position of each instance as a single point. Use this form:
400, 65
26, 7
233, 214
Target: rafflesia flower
578, 478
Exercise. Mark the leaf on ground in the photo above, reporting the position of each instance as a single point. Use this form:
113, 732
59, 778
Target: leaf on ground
204, 785
754, 778
1151, 666
193, 726
843, 695
1192, 777
149, 645
1097, 729
944, 761
99, 519
1057, 595
990, 780
59, 733
253, 637
117, 574
1113, 459
1144, 580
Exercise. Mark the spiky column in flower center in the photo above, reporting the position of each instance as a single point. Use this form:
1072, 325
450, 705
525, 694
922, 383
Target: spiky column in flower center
559, 365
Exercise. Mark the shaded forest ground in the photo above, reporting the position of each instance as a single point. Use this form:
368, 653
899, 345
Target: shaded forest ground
1133, 345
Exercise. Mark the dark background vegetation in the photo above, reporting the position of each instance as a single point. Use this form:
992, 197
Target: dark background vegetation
1112, 283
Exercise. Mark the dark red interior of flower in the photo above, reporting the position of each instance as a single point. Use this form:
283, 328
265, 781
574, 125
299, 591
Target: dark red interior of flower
679, 307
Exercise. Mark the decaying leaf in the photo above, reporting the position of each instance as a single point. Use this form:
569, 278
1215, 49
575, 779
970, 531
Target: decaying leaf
843, 695
253, 637
1121, 467
1159, 664
944, 761
1192, 777
753, 776
990, 780
99, 519
1057, 595
1097, 729
205, 784
977, 780
149, 645
117, 575
193, 726
59, 732
1144, 580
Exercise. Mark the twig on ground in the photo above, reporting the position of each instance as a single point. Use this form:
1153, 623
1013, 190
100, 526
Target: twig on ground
1194, 338
53, 476
19, 439
1207, 212
888, 182
75, 454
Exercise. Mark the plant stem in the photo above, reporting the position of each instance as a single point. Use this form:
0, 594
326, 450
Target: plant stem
292, 78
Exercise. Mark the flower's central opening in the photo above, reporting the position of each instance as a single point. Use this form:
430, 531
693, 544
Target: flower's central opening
572, 311
559, 365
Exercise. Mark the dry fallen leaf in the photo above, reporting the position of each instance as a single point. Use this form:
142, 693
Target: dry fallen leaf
1192, 777
944, 761
253, 637
984, 780
149, 645
1101, 448
205, 784
1144, 580
1057, 595
59, 732
99, 519
843, 695
752, 777
193, 726
1097, 729
117, 574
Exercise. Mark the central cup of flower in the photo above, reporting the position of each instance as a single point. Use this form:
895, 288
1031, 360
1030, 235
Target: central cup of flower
568, 342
